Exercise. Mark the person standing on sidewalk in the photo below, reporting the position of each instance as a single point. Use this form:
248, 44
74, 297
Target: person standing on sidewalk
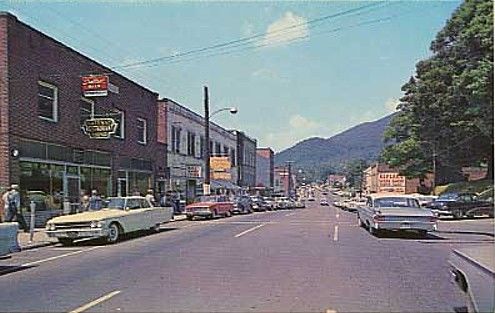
5, 205
14, 208
150, 197
95, 202
84, 200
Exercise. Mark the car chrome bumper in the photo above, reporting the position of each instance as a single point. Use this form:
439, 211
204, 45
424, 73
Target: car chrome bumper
202, 213
77, 233
406, 225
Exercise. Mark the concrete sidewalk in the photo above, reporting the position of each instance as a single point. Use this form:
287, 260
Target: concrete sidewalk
40, 239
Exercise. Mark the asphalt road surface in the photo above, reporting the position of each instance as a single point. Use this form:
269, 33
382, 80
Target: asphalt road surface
307, 260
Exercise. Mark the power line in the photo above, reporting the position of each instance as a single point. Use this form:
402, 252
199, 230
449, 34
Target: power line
248, 48
249, 38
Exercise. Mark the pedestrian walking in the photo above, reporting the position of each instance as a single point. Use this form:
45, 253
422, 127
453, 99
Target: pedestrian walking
95, 202
150, 197
14, 208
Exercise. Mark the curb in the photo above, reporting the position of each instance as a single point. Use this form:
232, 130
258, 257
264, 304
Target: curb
38, 245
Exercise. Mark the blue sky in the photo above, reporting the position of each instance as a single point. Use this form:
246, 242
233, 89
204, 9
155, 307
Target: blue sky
314, 79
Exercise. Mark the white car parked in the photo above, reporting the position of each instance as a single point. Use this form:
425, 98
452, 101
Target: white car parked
120, 215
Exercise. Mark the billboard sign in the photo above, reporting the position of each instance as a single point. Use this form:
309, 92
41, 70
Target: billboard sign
94, 85
99, 128
220, 168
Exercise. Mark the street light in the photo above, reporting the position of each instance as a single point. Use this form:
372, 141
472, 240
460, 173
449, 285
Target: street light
232, 110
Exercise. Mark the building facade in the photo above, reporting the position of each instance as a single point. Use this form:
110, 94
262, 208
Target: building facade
246, 160
264, 167
334, 179
43, 147
281, 181
186, 144
382, 178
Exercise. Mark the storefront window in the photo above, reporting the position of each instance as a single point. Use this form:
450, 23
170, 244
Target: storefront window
139, 182
95, 178
43, 184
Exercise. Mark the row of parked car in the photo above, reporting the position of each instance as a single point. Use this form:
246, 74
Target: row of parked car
454, 204
223, 206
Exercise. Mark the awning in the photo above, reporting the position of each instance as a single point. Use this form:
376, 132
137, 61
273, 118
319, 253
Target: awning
223, 184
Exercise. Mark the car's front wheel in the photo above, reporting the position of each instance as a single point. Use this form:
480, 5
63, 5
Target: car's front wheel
360, 223
113, 233
156, 228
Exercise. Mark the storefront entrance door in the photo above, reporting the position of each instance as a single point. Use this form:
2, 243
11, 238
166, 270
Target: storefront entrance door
71, 190
121, 187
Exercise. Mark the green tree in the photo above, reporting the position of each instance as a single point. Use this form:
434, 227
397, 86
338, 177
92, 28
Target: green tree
447, 108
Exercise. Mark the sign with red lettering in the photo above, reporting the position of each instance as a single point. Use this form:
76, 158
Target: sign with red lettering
94, 85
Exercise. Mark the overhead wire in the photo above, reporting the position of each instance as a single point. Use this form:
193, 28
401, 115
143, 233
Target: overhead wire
251, 38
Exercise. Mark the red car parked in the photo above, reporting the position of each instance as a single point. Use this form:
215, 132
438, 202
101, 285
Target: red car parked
210, 207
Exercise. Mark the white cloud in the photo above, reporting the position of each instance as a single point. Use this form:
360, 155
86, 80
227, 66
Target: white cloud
391, 105
247, 29
299, 128
288, 28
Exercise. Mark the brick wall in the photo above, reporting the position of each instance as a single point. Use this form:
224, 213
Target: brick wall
4, 117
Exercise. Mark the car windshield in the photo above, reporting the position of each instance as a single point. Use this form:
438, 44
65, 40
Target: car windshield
115, 203
447, 196
396, 202
213, 199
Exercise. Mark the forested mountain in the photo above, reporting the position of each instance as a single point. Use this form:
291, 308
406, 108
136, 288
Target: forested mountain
364, 141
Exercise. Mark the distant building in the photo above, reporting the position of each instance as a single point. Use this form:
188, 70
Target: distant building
336, 179
281, 180
264, 167
474, 173
246, 160
382, 178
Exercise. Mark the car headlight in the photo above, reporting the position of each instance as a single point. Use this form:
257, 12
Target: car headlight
97, 224
50, 226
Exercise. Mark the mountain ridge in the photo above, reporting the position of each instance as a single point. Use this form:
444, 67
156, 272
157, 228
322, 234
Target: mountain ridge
362, 141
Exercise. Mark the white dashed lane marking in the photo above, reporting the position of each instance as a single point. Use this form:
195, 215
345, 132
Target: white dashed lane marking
249, 230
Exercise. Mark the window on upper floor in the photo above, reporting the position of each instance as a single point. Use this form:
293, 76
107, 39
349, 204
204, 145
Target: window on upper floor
232, 157
178, 132
191, 143
142, 131
201, 147
47, 101
218, 149
86, 110
119, 117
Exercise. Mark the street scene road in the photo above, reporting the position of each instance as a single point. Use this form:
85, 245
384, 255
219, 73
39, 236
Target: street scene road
247, 156
308, 260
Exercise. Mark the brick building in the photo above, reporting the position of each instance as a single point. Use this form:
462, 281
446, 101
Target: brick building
246, 160
264, 167
382, 178
42, 110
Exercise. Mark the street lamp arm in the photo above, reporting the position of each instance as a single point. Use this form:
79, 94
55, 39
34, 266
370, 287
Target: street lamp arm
232, 110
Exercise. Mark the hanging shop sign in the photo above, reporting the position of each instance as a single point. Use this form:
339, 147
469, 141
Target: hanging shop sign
100, 128
193, 171
94, 85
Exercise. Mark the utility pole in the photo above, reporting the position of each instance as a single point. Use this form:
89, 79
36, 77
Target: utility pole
206, 185
289, 185
433, 184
